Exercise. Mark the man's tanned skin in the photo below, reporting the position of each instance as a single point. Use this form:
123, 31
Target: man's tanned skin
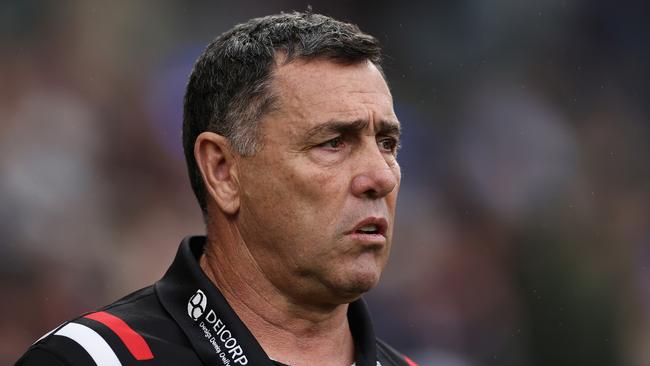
283, 224
290, 140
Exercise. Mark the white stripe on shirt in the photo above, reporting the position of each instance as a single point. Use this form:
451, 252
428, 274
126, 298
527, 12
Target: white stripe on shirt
92, 342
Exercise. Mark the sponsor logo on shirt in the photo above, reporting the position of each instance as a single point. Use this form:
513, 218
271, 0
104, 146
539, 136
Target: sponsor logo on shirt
197, 304
224, 343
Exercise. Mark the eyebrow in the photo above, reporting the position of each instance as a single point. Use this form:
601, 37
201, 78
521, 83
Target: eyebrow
386, 127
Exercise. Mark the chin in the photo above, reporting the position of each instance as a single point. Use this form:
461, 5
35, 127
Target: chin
357, 284
363, 285
350, 279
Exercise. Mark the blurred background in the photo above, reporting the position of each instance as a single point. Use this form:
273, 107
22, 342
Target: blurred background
523, 233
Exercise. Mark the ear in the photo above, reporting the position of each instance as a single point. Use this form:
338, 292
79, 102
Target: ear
218, 167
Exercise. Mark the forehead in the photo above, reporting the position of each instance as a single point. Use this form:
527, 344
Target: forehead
318, 90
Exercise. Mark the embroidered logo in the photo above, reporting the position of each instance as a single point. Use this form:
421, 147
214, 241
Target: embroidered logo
196, 305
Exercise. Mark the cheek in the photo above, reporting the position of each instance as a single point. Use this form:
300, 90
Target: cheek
331, 198
291, 197
397, 170
312, 184
294, 195
397, 173
317, 207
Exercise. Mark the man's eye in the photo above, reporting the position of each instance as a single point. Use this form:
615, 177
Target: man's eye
388, 144
334, 143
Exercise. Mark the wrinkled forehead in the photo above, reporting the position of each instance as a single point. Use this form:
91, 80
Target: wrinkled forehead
332, 89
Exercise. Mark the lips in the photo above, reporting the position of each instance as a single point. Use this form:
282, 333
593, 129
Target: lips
375, 226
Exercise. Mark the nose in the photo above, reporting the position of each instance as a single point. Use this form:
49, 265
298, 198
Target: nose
377, 178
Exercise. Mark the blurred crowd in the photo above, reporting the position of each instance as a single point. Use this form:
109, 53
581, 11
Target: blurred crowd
523, 231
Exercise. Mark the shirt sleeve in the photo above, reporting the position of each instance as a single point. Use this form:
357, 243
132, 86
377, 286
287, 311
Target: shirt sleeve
38, 357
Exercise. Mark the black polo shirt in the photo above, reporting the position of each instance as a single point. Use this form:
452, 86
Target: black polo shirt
182, 320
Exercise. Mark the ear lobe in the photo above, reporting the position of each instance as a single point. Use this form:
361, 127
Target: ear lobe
216, 162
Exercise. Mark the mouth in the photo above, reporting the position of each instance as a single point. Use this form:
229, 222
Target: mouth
370, 228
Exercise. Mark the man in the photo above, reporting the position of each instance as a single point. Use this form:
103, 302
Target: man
291, 139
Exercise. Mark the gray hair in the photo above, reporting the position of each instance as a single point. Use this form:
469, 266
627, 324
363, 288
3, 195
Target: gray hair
229, 87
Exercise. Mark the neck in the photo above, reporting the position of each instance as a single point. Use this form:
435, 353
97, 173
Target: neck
292, 332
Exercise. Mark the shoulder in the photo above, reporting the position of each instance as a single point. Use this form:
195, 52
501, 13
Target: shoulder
135, 328
388, 356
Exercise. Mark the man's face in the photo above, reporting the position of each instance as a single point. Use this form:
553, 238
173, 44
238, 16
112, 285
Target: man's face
318, 200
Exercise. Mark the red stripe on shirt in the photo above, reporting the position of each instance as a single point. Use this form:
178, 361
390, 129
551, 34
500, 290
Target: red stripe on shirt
409, 361
132, 340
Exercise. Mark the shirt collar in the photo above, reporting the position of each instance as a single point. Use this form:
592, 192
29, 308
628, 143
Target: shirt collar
213, 328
